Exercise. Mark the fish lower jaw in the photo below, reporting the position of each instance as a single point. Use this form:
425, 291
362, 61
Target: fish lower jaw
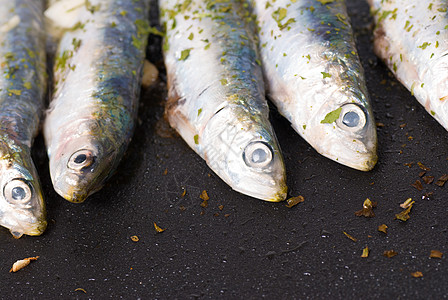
271, 195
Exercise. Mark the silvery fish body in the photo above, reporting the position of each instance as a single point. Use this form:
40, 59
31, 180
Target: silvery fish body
216, 94
22, 89
314, 77
411, 37
97, 75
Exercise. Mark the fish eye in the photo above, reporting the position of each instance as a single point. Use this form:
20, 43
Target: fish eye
257, 155
17, 191
352, 117
80, 159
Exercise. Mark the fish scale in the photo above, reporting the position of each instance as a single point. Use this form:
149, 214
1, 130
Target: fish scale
22, 88
410, 37
93, 109
216, 94
314, 77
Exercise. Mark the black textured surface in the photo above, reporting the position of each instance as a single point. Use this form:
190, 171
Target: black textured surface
252, 249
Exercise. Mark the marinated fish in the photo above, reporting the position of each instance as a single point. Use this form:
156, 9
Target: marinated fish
22, 89
97, 75
216, 94
411, 38
314, 77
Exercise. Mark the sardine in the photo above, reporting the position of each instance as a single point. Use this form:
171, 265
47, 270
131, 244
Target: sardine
22, 88
411, 38
216, 95
315, 78
93, 108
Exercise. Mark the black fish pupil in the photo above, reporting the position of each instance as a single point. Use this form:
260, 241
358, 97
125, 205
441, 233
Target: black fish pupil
80, 159
18, 193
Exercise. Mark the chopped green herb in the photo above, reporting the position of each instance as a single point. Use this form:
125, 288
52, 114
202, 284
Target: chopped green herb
184, 54
332, 116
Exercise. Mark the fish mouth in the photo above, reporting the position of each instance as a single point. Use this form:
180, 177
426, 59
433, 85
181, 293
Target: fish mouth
269, 194
31, 228
245, 154
74, 188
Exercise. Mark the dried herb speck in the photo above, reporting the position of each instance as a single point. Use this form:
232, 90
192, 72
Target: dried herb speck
428, 179
404, 215
418, 185
441, 181
390, 253
293, 201
383, 228
417, 274
367, 209
365, 252
436, 254
350, 237
423, 167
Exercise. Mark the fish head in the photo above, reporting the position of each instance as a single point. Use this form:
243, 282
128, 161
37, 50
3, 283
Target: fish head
244, 152
80, 166
343, 129
22, 207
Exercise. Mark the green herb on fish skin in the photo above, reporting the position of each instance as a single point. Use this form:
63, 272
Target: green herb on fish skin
342, 18
280, 14
92, 8
430, 6
442, 9
332, 116
394, 67
136, 42
433, 113
323, 2
77, 26
437, 44
76, 44
199, 111
155, 31
123, 13
196, 139
191, 36
27, 85
184, 54
224, 81
207, 46
304, 127
258, 62
62, 59
113, 24
290, 21
424, 45
325, 75
15, 92
406, 24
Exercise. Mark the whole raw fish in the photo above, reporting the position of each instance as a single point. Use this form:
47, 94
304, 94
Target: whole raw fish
97, 83
216, 94
412, 39
315, 78
22, 89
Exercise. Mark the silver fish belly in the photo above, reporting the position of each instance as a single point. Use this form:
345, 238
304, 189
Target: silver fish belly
216, 95
22, 89
314, 77
97, 83
411, 38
